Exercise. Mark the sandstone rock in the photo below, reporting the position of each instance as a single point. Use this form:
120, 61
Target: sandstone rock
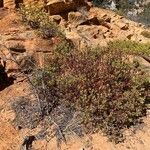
56, 18
92, 20
107, 25
76, 18
9, 3
123, 26
130, 35
107, 18
6, 57
15, 46
12, 59
61, 6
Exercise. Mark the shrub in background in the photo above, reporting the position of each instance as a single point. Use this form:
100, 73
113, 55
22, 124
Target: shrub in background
37, 18
144, 16
130, 47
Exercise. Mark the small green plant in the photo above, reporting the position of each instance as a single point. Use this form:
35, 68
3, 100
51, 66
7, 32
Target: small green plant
130, 47
146, 34
37, 18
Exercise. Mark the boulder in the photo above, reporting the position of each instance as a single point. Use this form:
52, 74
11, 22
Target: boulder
11, 57
56, 18
76, 18
7, 59
61, 6
123, 26
9, 3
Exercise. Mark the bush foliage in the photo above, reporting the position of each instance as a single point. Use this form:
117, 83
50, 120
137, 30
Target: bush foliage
99, 83
37, 18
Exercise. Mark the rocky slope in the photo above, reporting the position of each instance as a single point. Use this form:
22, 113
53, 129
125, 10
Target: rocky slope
86, 26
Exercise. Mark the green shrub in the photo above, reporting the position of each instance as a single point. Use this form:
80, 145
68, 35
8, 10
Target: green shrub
145, 34
130, 47
98, 83
36, 17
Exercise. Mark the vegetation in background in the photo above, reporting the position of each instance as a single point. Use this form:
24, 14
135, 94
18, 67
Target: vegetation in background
144, 16
130, 47
36, 17
134, 10
123, 5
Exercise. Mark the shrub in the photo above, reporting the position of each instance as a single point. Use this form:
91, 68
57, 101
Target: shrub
130, 47
144, 15
100, 84
145, 34
36, 17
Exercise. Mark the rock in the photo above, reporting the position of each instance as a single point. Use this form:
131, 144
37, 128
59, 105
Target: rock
106, 18
107, 25
129, 36
123, 26
61, 6
76, 18
74, 36
12, 59
40, 144
15, 46
56, 18
9, 4
92, 20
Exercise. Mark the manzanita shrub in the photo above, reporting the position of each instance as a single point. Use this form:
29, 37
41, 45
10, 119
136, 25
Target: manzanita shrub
99, 83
